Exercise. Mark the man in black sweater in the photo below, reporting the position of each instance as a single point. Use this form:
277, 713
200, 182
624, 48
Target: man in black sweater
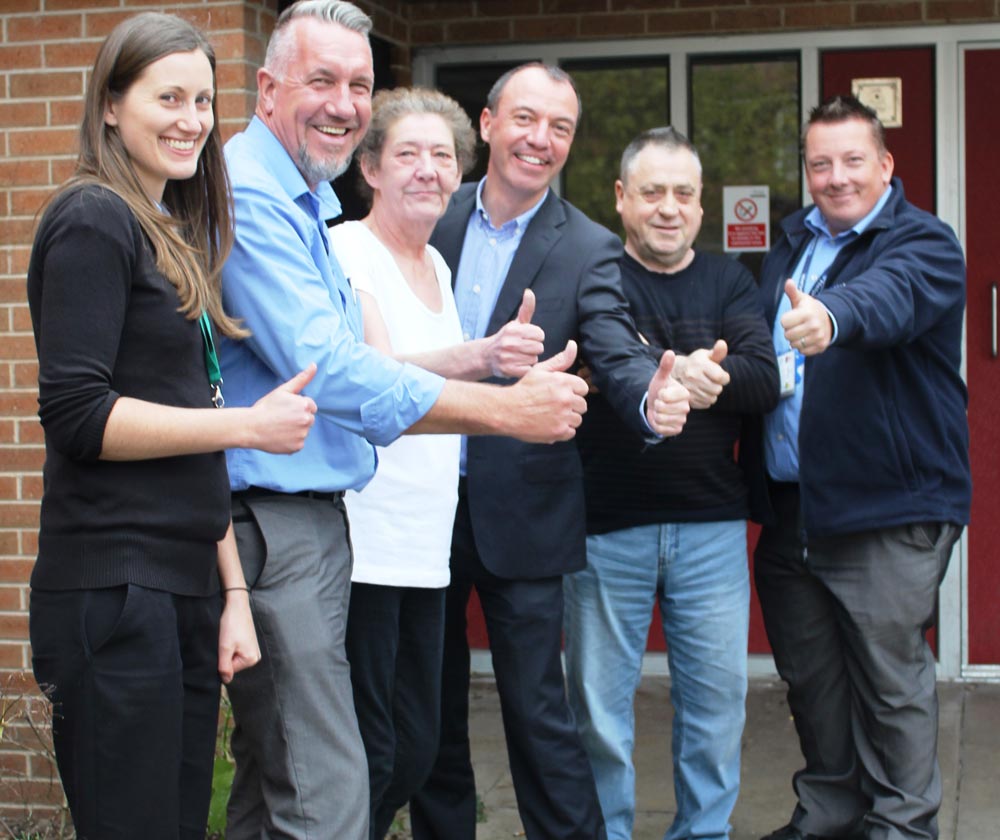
667, 523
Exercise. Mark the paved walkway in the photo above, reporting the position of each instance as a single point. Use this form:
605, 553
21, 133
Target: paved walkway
969, 752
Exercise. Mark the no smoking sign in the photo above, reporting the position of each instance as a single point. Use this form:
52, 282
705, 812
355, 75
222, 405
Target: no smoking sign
746, 209
746, 213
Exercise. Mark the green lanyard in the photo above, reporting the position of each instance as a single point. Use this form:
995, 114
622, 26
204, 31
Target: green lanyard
211, 361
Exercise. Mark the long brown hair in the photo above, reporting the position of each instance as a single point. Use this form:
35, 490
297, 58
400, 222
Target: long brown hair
193, 232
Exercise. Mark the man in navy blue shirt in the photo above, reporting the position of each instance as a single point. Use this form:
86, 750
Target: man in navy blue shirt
861, 480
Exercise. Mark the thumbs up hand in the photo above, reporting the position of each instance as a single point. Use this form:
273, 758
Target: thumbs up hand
807, 325
667, 403
546, 404
701, 372
282, 419
513, 349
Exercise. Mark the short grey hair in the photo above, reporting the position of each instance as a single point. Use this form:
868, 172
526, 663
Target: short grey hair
390, 106
279, 47
557, 74
666, 137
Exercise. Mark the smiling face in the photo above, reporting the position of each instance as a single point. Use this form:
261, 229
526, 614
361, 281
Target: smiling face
164, 119
417, 171
845, 171
660, 206
318, 100
529, 137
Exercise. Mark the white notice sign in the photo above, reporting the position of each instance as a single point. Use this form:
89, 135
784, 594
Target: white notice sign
746, 218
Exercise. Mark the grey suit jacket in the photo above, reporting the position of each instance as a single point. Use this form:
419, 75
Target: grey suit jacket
526, 500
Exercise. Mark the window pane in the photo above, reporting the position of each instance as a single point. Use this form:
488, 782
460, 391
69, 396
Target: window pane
745, 124
619, 101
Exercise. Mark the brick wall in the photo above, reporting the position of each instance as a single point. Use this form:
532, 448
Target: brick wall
491, 21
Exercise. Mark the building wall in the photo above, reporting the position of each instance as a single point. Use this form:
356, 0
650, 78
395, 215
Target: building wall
46, 50
498, 21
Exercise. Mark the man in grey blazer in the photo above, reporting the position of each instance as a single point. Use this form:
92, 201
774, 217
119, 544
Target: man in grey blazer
520, 521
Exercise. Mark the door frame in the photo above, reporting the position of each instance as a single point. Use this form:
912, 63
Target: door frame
989, 672
950, 44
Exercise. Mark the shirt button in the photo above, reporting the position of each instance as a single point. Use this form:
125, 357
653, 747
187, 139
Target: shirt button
493, 241
477, 288
466, 336
781, 437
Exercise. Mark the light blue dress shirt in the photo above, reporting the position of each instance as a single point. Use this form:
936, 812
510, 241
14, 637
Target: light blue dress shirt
290, 291
487, 253
781, 426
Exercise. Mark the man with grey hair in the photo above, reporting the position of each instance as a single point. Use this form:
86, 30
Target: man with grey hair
667, 524
301, 768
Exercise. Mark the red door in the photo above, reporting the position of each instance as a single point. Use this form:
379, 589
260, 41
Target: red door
982, 215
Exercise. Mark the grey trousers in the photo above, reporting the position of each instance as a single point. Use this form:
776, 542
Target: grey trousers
846, 623
300, 763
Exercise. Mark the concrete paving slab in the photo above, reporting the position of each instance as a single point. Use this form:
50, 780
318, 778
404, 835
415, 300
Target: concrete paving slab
968, 750
977, 794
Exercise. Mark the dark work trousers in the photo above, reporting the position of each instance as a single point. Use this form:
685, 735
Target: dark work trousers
133, 676
395, 636
846, 620
556, 795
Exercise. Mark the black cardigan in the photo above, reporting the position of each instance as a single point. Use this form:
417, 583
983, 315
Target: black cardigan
106, 325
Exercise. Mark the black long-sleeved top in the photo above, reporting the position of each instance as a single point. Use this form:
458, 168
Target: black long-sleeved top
106, 325
693, 477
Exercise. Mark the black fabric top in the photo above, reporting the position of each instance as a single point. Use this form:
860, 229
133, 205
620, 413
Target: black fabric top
106, 325
694, 476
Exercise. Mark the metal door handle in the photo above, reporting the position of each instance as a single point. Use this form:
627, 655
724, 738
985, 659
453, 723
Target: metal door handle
993, 319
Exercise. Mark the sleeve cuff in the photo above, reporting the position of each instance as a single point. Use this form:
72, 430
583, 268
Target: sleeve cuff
833, 322
386, 416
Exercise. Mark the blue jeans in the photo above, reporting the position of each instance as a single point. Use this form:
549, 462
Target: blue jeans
698, 572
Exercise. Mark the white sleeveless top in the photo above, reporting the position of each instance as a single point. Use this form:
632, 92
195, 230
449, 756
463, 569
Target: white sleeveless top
401, 522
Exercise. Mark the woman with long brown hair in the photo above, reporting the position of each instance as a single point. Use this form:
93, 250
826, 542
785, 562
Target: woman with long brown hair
129, 635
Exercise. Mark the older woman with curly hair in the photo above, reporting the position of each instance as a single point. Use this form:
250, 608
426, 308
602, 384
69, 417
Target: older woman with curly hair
412, 159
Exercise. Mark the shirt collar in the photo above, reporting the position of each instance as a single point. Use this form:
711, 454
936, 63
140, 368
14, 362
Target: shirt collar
817, 224
287, 174
518, 223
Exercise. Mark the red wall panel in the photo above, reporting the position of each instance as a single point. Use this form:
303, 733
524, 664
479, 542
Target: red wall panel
912, 145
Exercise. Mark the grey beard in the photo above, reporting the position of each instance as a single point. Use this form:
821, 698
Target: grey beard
315, 171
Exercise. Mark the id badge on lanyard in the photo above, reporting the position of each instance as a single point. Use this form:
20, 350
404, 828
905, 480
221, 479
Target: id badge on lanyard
211, 361
791, 363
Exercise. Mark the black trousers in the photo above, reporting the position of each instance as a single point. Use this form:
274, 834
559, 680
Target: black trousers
133, 676
395, 637
846, 618
556, 795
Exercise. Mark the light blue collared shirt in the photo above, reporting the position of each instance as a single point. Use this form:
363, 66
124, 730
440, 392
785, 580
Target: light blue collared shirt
291, 292
487, 253
781, 426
